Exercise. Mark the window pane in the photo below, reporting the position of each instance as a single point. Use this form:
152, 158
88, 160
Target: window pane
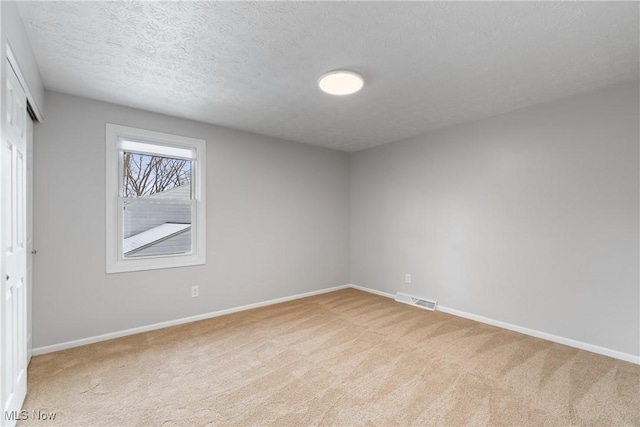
156, 228
155, 176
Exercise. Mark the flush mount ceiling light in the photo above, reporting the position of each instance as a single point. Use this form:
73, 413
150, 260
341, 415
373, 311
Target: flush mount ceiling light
341, 82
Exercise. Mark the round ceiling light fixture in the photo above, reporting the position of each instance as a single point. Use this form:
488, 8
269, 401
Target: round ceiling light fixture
341, 82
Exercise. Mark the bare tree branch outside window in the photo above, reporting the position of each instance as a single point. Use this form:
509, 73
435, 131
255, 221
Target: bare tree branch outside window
147, 175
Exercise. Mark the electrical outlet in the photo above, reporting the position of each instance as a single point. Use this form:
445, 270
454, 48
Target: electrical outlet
407, 278
195, 291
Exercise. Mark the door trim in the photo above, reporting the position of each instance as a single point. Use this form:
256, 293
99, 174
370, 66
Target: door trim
23, 82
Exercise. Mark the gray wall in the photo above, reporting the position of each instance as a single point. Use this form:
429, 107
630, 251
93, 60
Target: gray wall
529, 218
277, 224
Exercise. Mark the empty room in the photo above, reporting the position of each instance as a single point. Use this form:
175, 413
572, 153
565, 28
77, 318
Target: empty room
320, 213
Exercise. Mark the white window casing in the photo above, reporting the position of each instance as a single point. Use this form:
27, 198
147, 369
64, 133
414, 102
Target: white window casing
124, 138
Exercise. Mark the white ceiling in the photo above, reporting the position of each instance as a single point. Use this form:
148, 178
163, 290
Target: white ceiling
254, 66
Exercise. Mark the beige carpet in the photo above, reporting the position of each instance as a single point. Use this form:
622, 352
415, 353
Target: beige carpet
343, 358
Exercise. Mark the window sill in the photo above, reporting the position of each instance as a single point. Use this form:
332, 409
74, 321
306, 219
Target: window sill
155, 263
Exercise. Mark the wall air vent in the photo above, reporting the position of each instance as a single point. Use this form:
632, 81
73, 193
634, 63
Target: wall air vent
415, 301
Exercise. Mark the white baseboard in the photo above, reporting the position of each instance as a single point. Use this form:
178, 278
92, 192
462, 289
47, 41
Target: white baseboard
372, 291
549, 337
545, 336
90, 340
532, 332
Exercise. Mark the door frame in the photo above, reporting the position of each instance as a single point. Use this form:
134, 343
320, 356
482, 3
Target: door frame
10, 64
37, 112
23, 81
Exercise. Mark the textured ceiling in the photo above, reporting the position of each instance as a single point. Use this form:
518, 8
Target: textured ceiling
254, 66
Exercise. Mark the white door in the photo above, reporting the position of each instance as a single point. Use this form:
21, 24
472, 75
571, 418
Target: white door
14, 291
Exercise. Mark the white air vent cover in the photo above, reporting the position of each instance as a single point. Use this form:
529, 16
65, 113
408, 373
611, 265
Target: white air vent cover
418, 302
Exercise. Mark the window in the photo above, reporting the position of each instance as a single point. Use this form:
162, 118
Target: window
155, 200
